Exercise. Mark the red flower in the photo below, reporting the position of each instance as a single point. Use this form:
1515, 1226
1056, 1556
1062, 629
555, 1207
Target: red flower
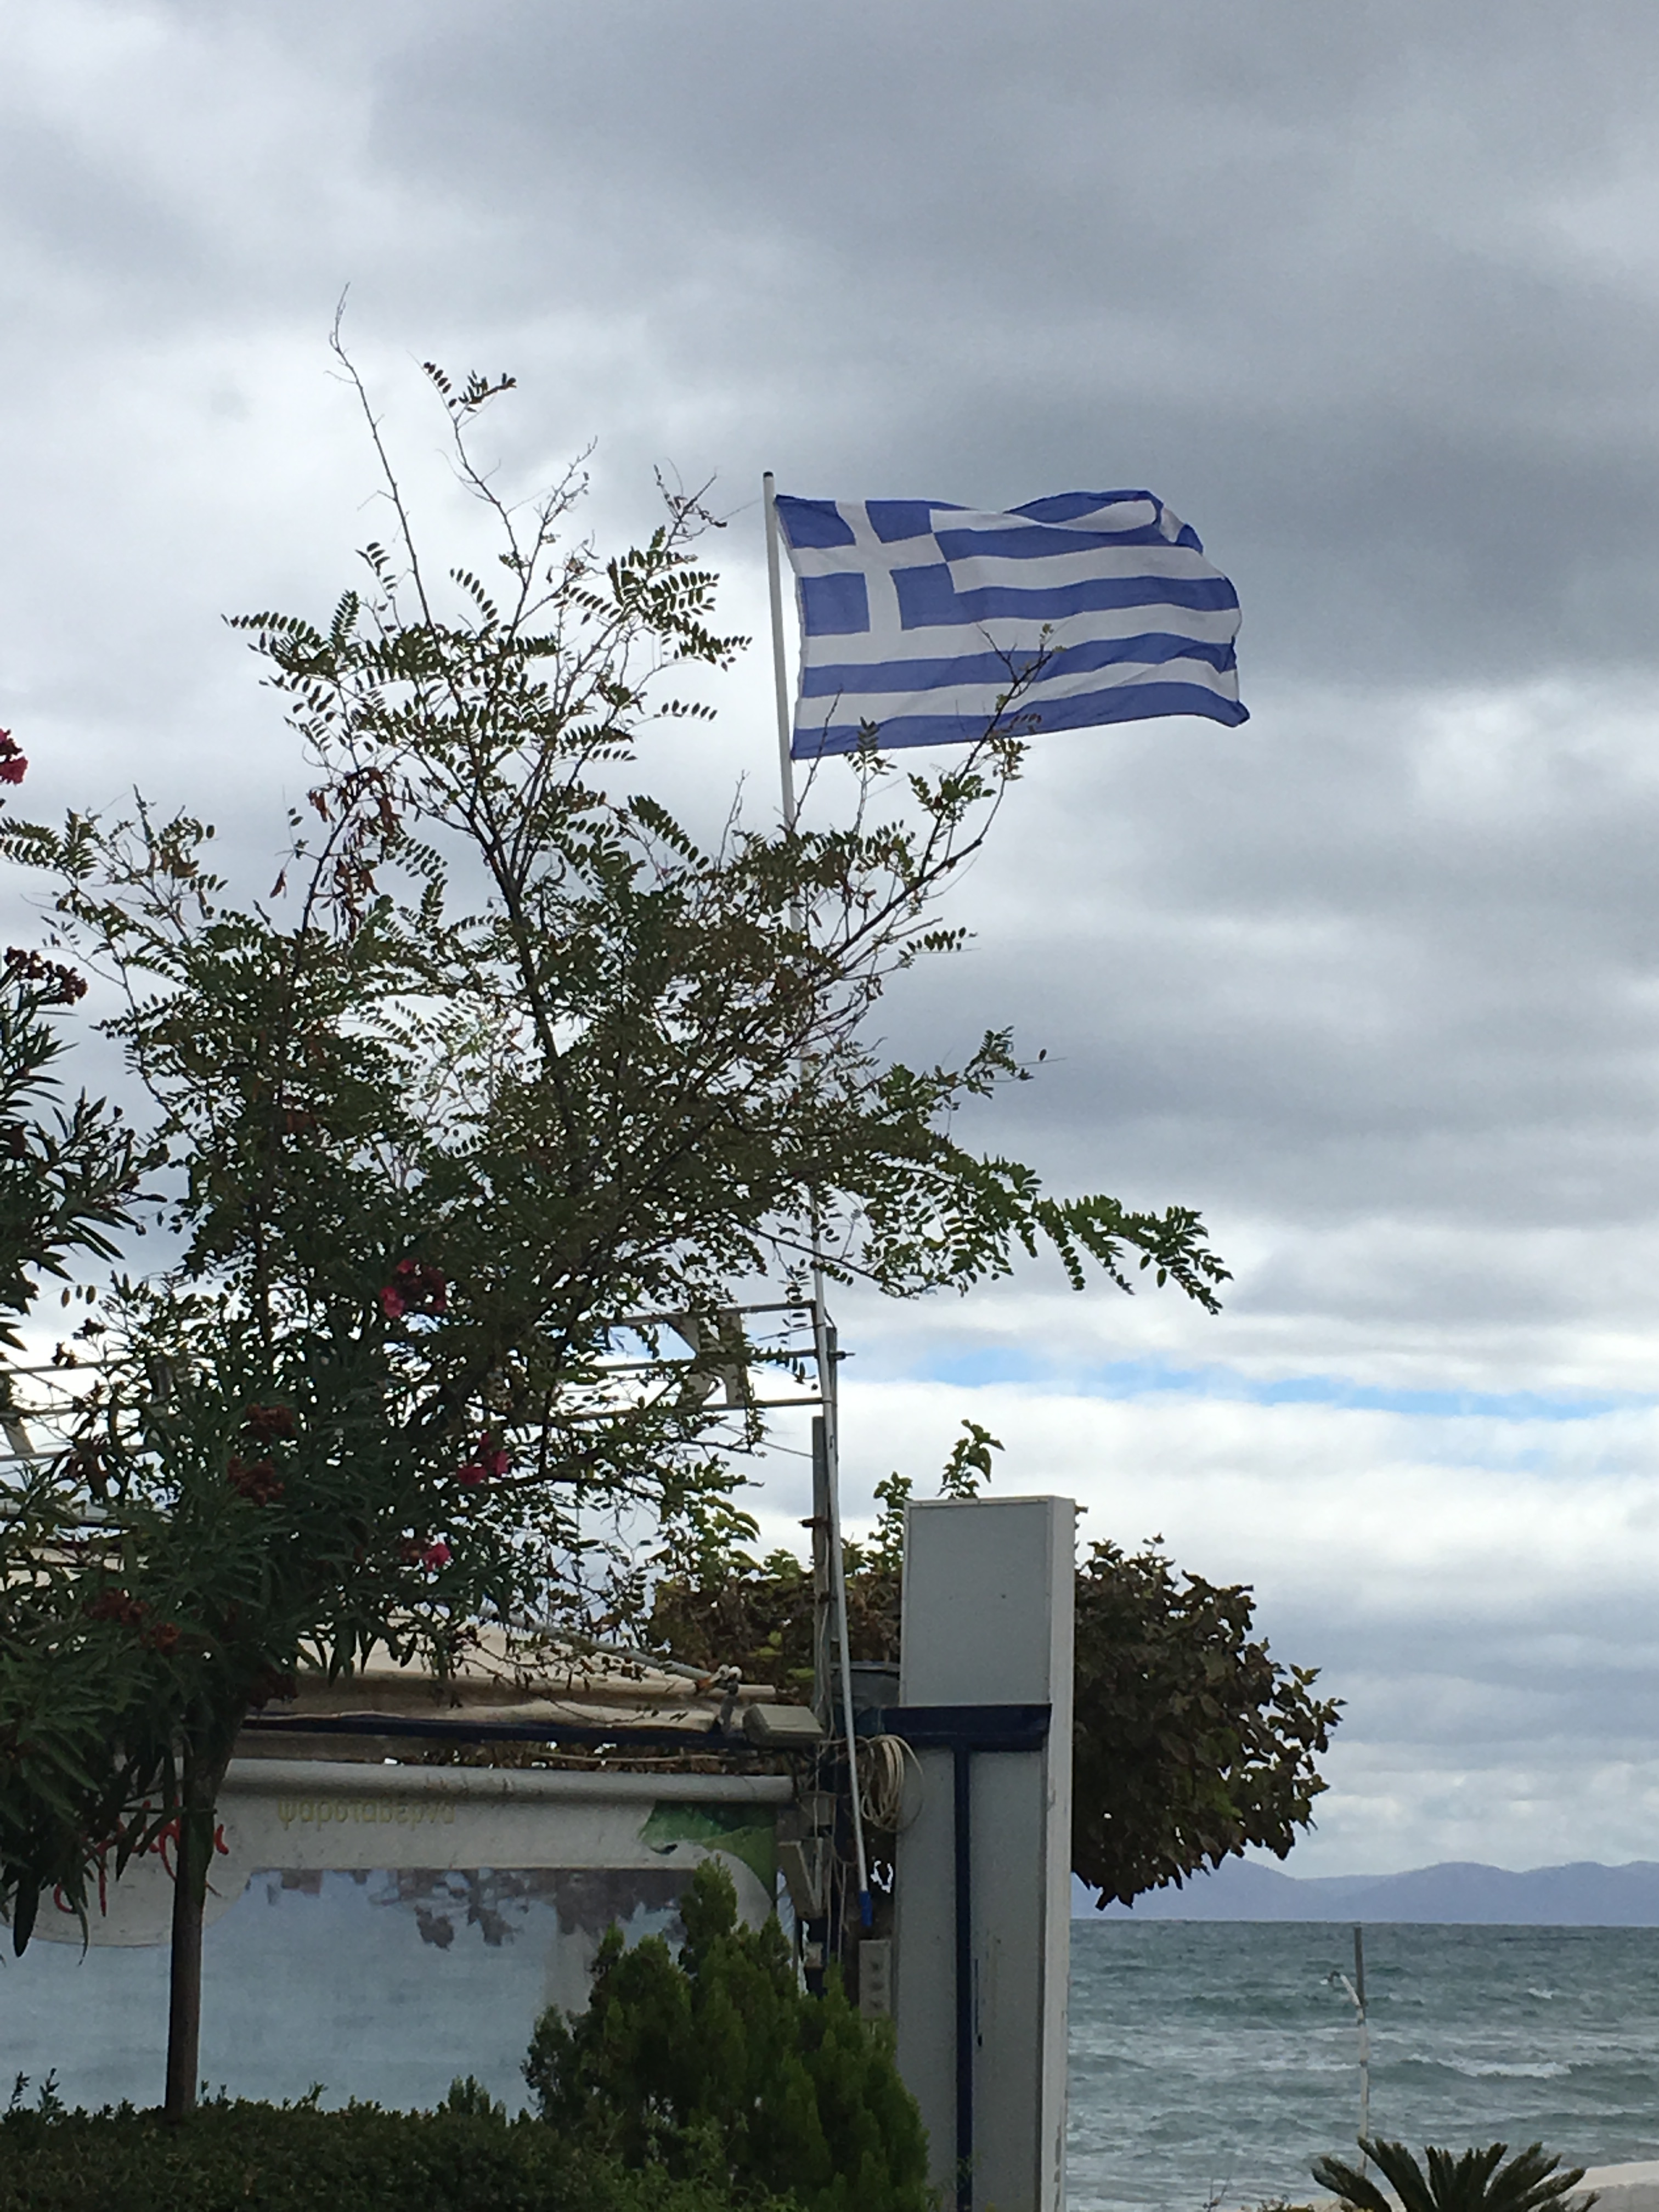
13, 766
259, 1484
488, 1461
436, 1555
64, 985
415, 1287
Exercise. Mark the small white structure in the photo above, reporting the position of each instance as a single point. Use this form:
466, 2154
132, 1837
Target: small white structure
982, 1925
379, 1927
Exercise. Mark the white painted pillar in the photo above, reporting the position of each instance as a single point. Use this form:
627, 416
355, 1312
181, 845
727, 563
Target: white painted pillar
988, 1594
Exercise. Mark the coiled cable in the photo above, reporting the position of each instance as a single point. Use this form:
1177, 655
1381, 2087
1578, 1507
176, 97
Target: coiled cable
882, 1775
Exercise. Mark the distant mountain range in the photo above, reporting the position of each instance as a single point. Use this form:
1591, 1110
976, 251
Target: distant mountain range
1583, 1895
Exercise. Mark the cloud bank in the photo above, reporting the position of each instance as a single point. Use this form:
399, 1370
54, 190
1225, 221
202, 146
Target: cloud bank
1372, 295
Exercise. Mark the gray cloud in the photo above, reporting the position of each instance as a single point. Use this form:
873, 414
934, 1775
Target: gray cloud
1368, 294
1337, 289
1372, 295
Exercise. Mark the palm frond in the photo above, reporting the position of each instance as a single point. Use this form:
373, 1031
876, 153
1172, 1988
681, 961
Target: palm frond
1456, 2181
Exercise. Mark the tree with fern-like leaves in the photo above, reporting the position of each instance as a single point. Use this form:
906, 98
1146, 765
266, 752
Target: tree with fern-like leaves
506, 1067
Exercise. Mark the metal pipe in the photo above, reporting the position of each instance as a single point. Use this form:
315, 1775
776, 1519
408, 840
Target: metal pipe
822, 1333
1355, 1991
829, 1368
962, 1794
618, 1736
318, 1778
823, 1661
1365, 2035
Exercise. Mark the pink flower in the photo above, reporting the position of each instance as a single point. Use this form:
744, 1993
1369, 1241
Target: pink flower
495, 1462
436, 1555
470, 1475
12, 770
391, 1304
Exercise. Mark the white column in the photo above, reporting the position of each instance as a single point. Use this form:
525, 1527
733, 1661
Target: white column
987, 1621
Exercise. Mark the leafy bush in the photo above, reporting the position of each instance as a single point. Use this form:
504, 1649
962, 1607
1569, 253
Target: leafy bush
1469, 2181
718, 2067
1190, 1740
235, 2157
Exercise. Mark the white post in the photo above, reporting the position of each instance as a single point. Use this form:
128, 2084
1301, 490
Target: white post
1364, 2039
982, 1904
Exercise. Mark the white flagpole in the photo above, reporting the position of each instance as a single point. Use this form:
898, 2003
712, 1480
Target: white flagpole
825, 1350
779, 665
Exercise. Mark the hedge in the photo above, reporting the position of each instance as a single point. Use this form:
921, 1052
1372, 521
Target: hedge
232, 2156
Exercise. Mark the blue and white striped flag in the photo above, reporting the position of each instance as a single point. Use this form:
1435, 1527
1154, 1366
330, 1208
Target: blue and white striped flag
918, 616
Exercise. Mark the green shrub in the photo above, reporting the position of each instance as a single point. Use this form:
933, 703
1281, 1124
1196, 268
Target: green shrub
1466, 2181
234, 2157
718, 2068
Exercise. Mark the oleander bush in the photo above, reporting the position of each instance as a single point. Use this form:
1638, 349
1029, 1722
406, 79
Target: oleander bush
237, 2157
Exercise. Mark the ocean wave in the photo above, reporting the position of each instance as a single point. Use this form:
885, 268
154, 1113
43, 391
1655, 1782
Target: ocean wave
1479, 2070
1416, 2064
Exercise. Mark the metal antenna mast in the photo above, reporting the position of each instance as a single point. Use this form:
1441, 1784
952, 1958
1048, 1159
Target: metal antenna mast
827, 1462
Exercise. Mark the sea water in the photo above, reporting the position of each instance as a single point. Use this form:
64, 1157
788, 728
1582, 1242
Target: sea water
1210, 2062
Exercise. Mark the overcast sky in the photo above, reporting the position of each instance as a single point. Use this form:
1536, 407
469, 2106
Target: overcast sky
1370, 295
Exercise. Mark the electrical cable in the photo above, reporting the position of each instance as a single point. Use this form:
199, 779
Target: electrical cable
884, 1761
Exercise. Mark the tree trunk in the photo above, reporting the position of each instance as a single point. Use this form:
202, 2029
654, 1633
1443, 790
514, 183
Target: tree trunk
191, 1864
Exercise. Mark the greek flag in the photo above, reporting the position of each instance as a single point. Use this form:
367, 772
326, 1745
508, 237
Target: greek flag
919, 618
